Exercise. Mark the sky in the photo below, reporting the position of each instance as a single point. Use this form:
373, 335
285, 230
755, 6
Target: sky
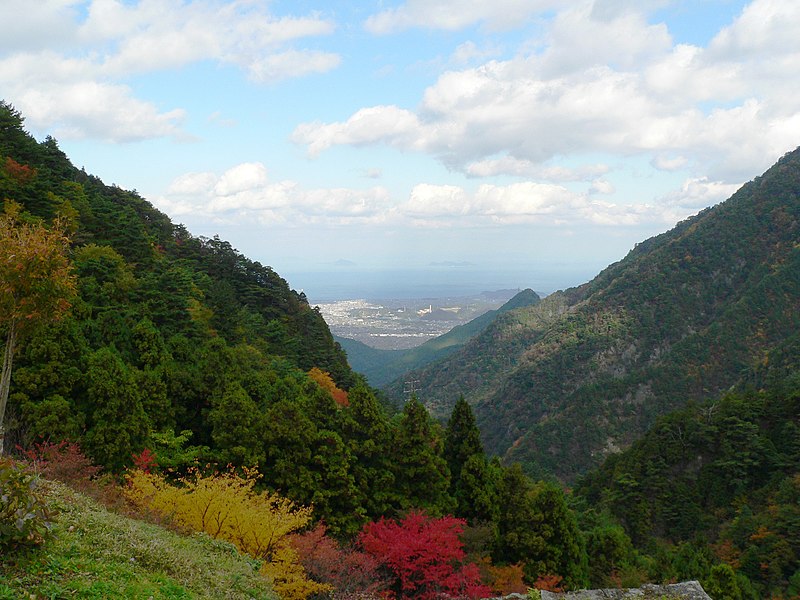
340, 137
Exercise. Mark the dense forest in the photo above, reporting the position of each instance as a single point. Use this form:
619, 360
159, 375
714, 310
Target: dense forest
181, 368
562, 384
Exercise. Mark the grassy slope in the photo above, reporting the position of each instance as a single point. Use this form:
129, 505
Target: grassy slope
95, 553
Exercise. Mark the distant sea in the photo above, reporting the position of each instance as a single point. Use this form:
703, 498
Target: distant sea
351, 283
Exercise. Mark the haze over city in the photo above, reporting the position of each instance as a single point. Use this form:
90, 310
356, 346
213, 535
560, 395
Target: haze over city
349, 137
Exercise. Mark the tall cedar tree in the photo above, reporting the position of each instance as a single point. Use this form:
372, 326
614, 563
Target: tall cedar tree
470, 481
536, 527
119, 425
369, 437
422, 478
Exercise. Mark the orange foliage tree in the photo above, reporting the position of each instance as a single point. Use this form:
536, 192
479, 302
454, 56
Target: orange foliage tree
325, 381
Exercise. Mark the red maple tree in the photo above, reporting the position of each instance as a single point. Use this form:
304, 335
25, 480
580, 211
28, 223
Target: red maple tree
425, 555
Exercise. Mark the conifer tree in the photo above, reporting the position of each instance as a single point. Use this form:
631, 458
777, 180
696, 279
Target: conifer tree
119, 425
237, 426
422, 476
369, 437
470, 481
536, 527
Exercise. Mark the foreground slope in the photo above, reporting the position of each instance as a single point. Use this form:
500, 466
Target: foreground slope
561, 384
95, 553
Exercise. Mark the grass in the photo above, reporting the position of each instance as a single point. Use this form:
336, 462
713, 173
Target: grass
95, 553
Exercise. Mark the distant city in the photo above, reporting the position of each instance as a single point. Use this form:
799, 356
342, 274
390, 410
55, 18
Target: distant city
394, 324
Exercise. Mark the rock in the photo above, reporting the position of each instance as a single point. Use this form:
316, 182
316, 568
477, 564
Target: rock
688, 590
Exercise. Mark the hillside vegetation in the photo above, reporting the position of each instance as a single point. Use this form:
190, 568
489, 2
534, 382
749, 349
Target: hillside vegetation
95, 553
179, 364
560, 385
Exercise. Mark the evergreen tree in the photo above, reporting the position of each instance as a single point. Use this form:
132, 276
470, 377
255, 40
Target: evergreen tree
470, 481
422, 478
236, 426
118, 426
536, 527
369, 437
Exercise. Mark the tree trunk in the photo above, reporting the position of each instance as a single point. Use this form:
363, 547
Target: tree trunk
5, 379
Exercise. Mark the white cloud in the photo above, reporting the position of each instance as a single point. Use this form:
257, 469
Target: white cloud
66, 63
507, 165
241, 178
31, 26
669, 163
245, 194
386, 124
455, 14
600, 79
470, 52
107, 112
292, 63
602, 186
696, 194
428, 201
529, 202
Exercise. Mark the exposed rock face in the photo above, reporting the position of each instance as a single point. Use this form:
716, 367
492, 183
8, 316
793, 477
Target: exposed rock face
688, 590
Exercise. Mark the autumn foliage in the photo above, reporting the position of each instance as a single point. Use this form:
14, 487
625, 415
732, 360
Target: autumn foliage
350, 572
325, 381
63, 461
226, 506
425, 556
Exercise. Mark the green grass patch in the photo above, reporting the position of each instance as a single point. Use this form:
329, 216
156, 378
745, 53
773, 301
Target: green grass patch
95, 553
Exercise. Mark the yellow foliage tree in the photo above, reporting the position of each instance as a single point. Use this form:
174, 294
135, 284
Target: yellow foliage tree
226, 506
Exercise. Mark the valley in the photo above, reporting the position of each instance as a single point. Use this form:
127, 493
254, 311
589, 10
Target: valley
398, 324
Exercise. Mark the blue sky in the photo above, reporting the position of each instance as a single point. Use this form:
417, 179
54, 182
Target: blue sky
533, 135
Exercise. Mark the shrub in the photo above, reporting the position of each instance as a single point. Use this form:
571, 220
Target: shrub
352, 574
24, 518
64, 462
226, 506
425, 555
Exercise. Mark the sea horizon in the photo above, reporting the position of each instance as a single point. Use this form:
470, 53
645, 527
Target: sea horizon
352, 283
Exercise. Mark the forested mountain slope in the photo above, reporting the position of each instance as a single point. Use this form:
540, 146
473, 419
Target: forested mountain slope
381, 367
175, 343
719, 480
562, 384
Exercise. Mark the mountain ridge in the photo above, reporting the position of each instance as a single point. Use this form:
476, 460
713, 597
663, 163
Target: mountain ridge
678, 318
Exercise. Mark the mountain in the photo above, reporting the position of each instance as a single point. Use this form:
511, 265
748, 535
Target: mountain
384, 366
562, 384
179, 324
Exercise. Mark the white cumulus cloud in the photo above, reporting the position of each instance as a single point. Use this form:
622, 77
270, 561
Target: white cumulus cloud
597, 78
66, 64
